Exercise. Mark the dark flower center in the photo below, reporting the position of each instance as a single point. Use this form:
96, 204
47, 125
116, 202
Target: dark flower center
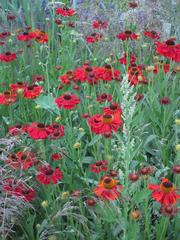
167, 184
26, 191
67, 96
7, 93
55, 126
153, 32
8, 53
107, 180
49, 172
65, 8
40, 125
113, 106
69, 73
104, 96
56, 134
18, 126
108, 66
128, 32
23, 157
98, 163
30, 87
170, 42
13, 156
25, 33
89, 69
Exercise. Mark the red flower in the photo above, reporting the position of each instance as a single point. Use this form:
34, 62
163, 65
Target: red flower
133, 177
104, 97
99, 166
37, 78
7, 57
99, 24
68, 101
169, 211
127, 35
176, 169
57, 131
123, 60
38, 131
108, 189
107, 73
65, 11
22, 160
41, 37
90, 202
15, 87
166, 68
56, 156
4, 35
104, 123
133, 5
169, 50
85, 115
32, 91
165, 193
17, 188
113, 109
135, 75
7, 98
47, 175
94, 37
138, 97
165, 100
26, 36
146, 170
11, 17
152, 34
16, 130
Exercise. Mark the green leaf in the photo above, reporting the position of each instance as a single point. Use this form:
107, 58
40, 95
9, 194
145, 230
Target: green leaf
88, 160
94, 140
48, 103
142, 195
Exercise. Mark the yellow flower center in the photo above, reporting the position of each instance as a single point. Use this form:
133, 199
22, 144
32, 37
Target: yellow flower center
107, 118
109, 182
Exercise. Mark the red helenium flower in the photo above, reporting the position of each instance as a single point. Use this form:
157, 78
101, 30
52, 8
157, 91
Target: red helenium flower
67, 101
169, 50
4, 35
22, 160
65, 11
127, 35
7, 57
47, 175
38, 131
26, 36
165, 193
32, 91
152, 34
56, 131
7, 98
41, 37
113, 109
99, 166
108, 189
104, 123
123, 60
94, 37
19, 189
104, 97
15, 87
99, 24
